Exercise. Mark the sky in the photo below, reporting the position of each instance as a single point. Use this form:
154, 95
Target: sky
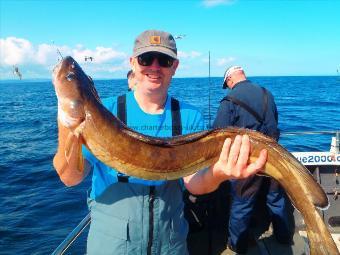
267, 38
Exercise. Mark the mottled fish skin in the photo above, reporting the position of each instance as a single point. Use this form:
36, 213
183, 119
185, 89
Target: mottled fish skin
153, 158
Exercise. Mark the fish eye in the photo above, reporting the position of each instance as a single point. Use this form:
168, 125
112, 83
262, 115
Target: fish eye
70, 76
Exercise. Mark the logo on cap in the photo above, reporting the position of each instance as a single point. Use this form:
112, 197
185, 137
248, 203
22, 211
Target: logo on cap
155, 39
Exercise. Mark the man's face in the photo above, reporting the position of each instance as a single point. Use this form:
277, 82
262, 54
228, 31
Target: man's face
151, 75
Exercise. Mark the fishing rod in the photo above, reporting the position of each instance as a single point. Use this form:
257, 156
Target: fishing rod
60, 54
58, 51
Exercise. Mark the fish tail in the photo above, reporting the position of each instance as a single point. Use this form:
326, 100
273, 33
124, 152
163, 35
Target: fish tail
320, 240
313, 189
292, 175
305, 193
289, 172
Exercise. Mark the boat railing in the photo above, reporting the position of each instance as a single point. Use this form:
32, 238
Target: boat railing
324, 132
72, 236
77, 231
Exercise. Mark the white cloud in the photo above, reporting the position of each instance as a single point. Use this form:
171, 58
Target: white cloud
213, 3
41, 58
100, 54
17, 51
45, 54
224, 61
14, 51
189, 55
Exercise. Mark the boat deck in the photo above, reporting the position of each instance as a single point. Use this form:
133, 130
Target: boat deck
266, 244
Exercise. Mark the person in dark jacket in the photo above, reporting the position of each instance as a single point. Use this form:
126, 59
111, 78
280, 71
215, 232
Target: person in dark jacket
250, 106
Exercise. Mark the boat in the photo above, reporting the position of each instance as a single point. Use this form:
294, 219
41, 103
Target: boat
325, 167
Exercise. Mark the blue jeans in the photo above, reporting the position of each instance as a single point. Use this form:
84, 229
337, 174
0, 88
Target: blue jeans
244, 194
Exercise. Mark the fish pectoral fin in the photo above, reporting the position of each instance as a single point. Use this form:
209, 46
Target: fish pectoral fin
73, 151
79, 130
80, 159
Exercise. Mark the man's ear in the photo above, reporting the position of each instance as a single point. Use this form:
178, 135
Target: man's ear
229, 82
132, 63
174, 66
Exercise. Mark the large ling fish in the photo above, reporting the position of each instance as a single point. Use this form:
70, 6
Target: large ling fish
152, 158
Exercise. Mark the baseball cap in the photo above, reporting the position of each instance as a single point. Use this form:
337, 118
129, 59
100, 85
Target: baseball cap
155, 40
229, 72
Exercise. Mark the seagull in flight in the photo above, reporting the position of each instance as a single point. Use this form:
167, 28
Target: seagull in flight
17, 72
180, 36
88, 58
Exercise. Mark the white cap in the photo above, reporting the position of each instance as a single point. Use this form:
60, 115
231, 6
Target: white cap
229, 72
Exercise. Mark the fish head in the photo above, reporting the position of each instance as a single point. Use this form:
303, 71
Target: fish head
73, 89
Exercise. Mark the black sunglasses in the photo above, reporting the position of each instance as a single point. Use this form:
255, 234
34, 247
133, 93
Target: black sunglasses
146, 59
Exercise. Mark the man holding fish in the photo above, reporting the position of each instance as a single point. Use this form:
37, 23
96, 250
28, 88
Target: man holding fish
131, 215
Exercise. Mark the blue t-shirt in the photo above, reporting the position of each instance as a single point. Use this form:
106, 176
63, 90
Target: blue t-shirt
158, 125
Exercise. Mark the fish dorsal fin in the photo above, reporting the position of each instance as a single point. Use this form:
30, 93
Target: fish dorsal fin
166, 142
93, 90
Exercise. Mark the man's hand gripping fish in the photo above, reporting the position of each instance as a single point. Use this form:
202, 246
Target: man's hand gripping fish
153, 158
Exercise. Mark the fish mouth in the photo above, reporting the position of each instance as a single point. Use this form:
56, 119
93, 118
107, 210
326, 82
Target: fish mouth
56, 70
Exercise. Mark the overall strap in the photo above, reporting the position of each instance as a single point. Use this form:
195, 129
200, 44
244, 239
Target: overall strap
265, 102
249, 109
121, 114
121, 108
176, 117
246, 107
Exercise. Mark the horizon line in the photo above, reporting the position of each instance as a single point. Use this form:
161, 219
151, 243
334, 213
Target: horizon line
200, 77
